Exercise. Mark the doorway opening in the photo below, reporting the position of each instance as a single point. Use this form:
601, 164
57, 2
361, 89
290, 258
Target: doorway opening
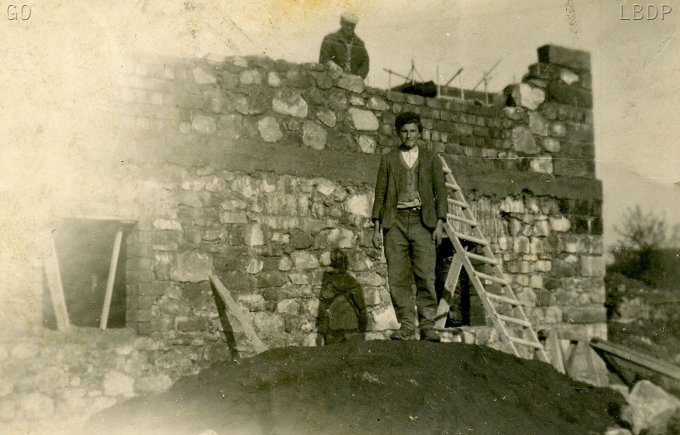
87, 250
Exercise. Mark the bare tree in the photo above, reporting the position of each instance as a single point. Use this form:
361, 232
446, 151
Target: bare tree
642, 231
639, 253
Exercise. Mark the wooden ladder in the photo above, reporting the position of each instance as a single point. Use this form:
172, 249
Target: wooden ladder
499, 300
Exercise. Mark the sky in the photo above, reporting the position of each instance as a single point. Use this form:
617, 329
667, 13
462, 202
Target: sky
64, 54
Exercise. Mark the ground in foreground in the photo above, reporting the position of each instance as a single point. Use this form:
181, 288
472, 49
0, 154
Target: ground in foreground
376, 387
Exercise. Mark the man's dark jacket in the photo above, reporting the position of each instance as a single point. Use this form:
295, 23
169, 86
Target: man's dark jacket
431, 186
334, 47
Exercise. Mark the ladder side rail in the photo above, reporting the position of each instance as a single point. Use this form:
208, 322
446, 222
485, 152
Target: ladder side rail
479, 287
542, 353
510, 293
481, 292
475, 229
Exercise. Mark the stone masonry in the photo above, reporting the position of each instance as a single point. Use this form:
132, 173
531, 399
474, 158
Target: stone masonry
261, 172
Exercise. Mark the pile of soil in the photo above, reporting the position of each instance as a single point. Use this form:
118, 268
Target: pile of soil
376, 387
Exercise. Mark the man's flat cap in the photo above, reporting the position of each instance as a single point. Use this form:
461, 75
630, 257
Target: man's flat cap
349, 17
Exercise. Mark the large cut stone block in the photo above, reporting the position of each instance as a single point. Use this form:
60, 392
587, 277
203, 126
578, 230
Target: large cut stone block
526, 96
327, 117
570, 95
575, 59
584, 314
204, 124
351, 83
203, 77
269, 129
191, 266
313, 135
287, 102
304, 260
360, 205
537, 124
523, 141
592, 266
367, 144
542, 164
649, 407
364, 120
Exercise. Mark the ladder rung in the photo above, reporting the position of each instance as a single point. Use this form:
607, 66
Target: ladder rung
483, 258
472, 239
463, 219
501, 298
446, 169
452, 186
460, 204
515, 320
534, 344
492, 278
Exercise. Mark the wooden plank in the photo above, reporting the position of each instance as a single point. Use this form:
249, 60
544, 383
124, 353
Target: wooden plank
472, 239
556, 356
450, 286
53, 276
534, 344
235, 309
455, 217
119, 219
457, 203
483, 258
113, 266
515, 320
638, 358
492, 278
504, 299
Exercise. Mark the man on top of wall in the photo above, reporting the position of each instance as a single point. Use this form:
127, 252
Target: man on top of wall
410, 208
345, 48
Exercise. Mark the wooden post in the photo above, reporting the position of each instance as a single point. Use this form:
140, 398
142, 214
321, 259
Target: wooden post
53, 275
111, 279
233, 308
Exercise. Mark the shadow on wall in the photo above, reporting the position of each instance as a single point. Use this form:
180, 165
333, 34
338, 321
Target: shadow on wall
342, 309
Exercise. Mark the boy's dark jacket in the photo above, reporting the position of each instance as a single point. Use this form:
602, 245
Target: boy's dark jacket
431, 186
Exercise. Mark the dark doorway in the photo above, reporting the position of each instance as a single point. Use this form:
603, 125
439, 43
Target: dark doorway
460, 308
84, 250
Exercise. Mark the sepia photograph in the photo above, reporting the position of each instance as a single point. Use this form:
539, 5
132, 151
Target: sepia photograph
339, 217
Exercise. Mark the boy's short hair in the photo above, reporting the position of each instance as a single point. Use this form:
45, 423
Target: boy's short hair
407, 118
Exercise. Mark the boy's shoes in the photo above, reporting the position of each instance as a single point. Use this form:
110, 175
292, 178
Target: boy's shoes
430, 334
404, 334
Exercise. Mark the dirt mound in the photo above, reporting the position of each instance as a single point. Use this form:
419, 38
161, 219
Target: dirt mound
376, 387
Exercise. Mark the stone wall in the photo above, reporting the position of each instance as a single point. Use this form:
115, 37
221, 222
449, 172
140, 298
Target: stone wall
275, 164
52, 381
261, 172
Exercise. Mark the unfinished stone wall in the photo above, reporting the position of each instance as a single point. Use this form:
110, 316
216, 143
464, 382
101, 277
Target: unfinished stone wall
261, 172
276, 164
